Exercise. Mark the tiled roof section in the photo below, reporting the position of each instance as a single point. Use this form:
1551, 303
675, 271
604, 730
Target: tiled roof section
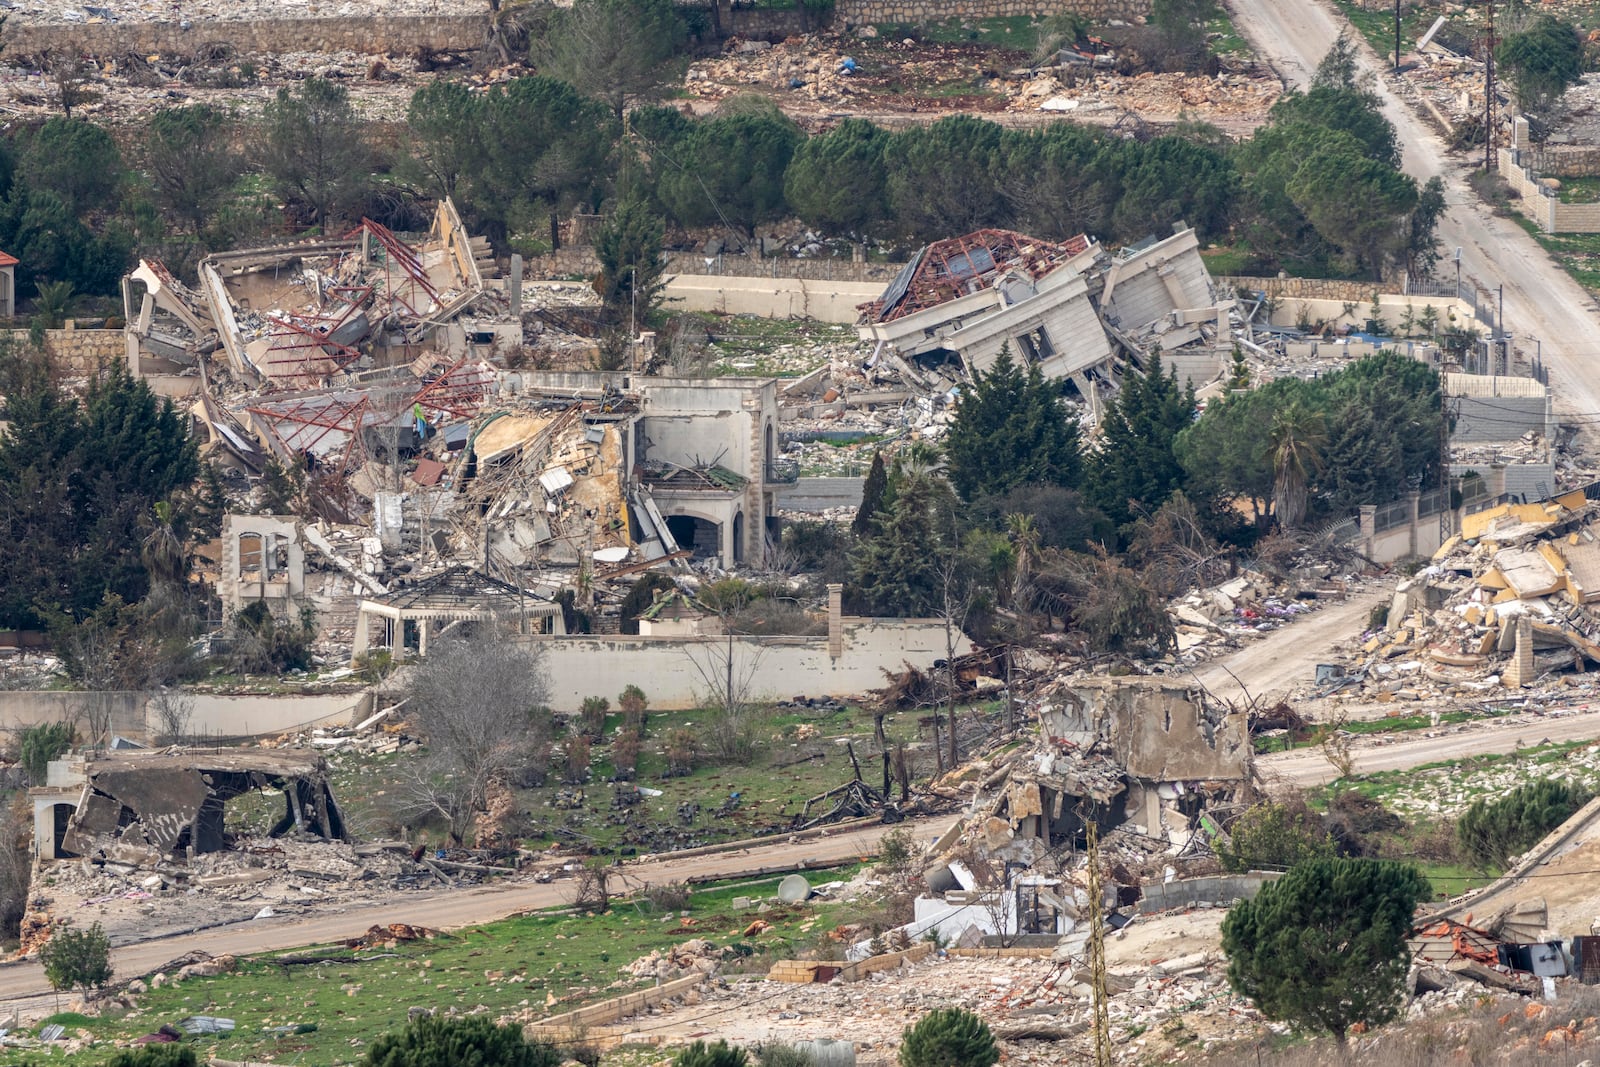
957, 266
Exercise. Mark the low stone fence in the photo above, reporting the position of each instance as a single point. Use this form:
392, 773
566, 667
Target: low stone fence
573, 1024
1220, 889
880, 12
805, 972
363, 34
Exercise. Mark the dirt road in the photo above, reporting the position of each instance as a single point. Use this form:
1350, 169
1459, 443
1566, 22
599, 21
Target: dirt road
1541, 300
450, 909
1287, 657
1307, 767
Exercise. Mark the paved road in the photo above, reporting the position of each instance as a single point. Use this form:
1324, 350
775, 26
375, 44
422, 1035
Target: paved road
457, 908
1541, 300
1287, 657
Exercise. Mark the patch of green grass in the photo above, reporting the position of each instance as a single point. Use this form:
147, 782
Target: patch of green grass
1384, 784
749, 345
1453, 879
1386, 725
1224, 39
1579, 190
545, 962
1018, 33
1377, 25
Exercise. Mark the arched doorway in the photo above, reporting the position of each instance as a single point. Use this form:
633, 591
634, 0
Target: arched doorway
738, 537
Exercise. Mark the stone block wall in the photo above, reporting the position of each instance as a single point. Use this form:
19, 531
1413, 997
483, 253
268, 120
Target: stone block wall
1302, 288
1565, 161
369, 36
878, 12
78, 353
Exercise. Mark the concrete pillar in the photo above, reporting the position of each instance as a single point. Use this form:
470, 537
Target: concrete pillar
363, 636
1412, 499
44, 826
1369, 528
514, 285
835, 620
1520, 670
423, 625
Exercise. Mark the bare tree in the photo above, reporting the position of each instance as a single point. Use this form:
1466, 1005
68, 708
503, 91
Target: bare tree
70, 78
956, 598
1334, 741
479, 699
16, 868
174, 711
728, 670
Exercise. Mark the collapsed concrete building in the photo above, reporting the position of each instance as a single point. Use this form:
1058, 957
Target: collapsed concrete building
147, 808
1150, 760
1066, 307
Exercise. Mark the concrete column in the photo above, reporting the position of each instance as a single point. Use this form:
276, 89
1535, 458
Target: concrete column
363, 636
44, 826
1369, 528
423, 625
1412, 499
1520, 671
835, 620
514, 285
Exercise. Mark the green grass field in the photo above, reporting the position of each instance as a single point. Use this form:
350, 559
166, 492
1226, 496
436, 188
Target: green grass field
543, 964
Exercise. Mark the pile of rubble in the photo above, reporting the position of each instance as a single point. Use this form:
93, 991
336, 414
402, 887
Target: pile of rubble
1505, 602
696, 955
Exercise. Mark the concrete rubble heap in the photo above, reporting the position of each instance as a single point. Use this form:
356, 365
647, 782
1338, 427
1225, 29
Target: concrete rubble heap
1505, 602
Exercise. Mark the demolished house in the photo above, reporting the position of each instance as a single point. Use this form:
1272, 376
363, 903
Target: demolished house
1060, 306
1151, 761
143, 808
1508, 599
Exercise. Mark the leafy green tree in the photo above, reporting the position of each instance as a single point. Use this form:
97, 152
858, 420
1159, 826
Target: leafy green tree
1422, 226
53, 244
1274, 837
1494, 829
77, 481
445, 124
731, 170
467, 1041
899, 568
77, 161
616, 51
547, 150
872, 491
1173, 178
1181, 25
1357, 203
940, 178
1295, 442
1324, 946
628, 244
1136, 468
1061, 518
948, 1037
1541, 62
1351, 111
1058, 179
838, 181
1011, 429
40, 743
193, 166
76, 958
721, 1054
314, 147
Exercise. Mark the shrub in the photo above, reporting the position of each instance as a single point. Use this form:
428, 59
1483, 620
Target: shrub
77, 959
1492, 831
898, 852
625, 754
632, 702
592, 716
578, 750
168, 1055
681, 749
721, 1054
41, 743
672, 896
437, 1041
1274, 837
949, 1037
779, 1054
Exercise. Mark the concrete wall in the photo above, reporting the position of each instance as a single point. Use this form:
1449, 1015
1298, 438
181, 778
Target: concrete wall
1391, 311
1302, 288
365, 34
669, 669
214, 715
1217, 889
777, 298
1504, 418
80, 352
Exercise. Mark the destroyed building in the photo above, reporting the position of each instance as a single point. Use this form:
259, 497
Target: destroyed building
1152, 760
1502, 440
147, 808
1067, 307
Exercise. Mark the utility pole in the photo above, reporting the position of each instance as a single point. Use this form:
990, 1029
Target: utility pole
1488, 95
1396, 34
1097, 944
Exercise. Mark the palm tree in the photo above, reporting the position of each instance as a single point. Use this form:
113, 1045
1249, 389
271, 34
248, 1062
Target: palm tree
1024, 533
1295, 446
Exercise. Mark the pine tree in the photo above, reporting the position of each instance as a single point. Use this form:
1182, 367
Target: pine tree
872, 492
1324, 946
1010, 429
898, 568
1136, 467
948, 1037
438, 1041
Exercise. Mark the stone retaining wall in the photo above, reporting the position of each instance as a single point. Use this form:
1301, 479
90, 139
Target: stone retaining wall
574, 1023
581, 261
370, 36
1302, 288
78, 353
1564, 161
880, 12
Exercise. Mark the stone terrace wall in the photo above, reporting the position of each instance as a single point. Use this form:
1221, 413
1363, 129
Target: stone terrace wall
77, 353
865, 12
371, 36
1304, 288
1564, 161
580, 260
